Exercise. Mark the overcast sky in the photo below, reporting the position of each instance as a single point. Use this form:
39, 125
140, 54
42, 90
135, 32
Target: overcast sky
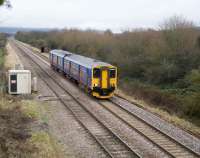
98, 14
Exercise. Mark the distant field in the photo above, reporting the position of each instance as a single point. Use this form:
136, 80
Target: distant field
14, 30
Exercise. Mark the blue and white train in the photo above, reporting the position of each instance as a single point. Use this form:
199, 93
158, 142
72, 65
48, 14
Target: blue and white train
98, 78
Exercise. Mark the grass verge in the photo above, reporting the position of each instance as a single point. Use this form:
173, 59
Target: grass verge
24, 132
1, 58
162, 104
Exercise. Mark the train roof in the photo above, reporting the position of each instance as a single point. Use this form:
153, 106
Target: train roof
85, 61
81, 60
61, 53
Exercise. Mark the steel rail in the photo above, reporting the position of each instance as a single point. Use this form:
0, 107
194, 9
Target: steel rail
131, 113
135, 129
89, 112
153, 127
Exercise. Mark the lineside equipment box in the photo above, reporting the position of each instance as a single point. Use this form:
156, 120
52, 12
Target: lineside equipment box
19, 82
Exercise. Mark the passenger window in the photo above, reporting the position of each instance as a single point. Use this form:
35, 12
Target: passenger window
112, 73
96, 73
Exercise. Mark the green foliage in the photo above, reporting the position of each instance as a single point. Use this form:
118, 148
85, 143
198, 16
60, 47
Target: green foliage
2, 45
152, 94
1, 58
163, 65
1, 2
194, 77
157, 57
192, 105
2, 40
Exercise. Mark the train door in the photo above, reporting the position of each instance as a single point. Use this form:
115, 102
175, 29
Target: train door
104, 78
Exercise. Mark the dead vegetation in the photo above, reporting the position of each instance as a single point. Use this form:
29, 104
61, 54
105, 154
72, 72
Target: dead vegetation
11, 58
160, 66
172, 118
23, 132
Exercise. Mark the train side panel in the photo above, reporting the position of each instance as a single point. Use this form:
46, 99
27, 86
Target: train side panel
83, 75
100, 80
80, 73
60, 63
54, 60
74, 71
89, 78
57, 59
67, 65
50, 58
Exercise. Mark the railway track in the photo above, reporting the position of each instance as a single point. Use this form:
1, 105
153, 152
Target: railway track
185, 138
113, 145
160, 139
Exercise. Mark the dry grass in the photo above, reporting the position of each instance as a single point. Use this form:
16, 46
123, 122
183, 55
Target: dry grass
180, 122
25, 131
46, 55
33, 48
31, 109
43, 142
11, 58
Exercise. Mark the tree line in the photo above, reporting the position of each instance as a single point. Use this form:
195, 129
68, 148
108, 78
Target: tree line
162, 66
2, 51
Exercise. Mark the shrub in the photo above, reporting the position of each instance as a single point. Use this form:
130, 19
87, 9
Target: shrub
194, 76
159, 66
191, 104
152, 95
1, 58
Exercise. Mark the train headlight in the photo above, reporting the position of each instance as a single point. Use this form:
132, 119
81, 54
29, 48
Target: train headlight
96, 85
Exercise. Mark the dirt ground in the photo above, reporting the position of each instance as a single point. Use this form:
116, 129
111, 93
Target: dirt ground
74, 139
14, 132
24, 131
45, 54
23, 134
11, 58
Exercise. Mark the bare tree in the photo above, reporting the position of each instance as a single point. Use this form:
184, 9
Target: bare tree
176, 22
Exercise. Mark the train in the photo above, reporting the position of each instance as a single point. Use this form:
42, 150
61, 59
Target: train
98, 78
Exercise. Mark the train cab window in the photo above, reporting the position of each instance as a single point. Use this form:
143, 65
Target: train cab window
112, 73
96, 73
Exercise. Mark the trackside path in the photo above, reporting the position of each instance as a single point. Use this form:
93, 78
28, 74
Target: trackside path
113, 145
174, 134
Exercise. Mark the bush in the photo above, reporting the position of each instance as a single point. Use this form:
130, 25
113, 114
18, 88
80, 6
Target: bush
191, 104
1, 59
153, 95
158, 57
194, 76
160, 66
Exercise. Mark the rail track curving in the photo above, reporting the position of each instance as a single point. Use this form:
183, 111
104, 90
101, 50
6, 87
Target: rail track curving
110, 142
